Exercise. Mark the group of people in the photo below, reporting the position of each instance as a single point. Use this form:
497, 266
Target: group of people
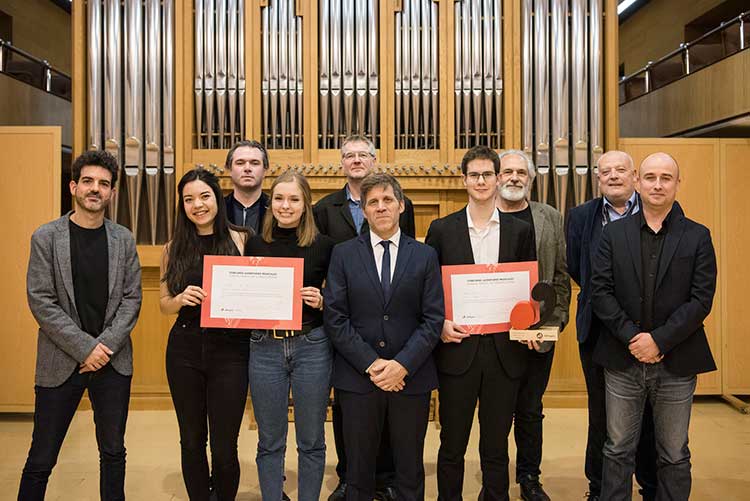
374, 328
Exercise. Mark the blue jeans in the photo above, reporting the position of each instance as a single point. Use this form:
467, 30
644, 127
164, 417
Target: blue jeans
54, 408
671, 398
302, 363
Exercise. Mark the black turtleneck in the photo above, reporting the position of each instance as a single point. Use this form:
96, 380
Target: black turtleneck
317, 256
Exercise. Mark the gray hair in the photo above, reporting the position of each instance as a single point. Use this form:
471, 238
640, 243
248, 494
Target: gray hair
359, 138
627, 156
529, 163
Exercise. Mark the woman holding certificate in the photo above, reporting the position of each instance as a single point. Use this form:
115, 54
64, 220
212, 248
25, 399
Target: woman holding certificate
300, 360
206, 368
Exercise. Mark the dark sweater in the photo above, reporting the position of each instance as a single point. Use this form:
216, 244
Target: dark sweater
317, 256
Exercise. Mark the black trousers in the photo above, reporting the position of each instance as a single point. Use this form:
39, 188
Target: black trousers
645, 459
529, 415
207, 374
364, 418
486, 381
385, 472
54, 408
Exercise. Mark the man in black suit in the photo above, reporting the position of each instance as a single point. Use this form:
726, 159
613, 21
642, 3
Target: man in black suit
247, 163
487, 368
340, 216
617, 178
384, 312
652, 349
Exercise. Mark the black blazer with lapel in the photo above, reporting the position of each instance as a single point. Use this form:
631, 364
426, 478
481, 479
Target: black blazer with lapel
685, 286
363, 325
264, 202
333, 218
449, 236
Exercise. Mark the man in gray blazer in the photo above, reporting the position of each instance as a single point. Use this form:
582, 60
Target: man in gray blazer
84, 290
514, 184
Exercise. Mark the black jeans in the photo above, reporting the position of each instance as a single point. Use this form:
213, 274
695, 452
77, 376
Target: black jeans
645, 460
528, 416
54, 408
207, 374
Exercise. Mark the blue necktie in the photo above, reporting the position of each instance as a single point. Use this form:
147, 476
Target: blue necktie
385, 269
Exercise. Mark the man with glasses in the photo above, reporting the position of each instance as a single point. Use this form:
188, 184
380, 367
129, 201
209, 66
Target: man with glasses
340, 216
485, 368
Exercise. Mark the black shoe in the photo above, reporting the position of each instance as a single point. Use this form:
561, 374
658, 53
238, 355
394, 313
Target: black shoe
591, 497
385, 494
339, 493
532, 491
284, 497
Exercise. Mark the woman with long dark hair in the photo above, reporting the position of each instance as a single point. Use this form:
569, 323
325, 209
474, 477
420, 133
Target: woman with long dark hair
206, 368
297, 360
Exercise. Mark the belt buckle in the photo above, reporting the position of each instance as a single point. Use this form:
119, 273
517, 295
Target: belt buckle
285, 333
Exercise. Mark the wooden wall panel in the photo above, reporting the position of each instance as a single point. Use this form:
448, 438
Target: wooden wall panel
700, 196
567, 375
23, 148
734, 272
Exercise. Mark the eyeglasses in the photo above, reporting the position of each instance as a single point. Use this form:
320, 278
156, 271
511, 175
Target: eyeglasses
351, 155
487, 176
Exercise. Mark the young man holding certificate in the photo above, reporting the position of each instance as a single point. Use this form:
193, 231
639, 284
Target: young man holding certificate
384, 311
478, 367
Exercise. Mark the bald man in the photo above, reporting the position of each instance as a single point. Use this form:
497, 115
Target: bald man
652, 349
617, 179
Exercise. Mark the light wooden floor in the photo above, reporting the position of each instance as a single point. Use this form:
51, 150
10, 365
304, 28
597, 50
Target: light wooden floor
719, 441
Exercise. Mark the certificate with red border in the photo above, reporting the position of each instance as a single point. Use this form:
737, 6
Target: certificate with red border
252, 292
480, 297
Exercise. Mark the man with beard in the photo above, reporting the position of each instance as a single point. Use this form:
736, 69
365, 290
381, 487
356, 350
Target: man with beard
84, 290
617, 178
517, 174
247, 163
341, 217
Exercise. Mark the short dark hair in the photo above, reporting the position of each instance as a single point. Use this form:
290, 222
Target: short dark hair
380, 179
480, 152
247, 144
95, 158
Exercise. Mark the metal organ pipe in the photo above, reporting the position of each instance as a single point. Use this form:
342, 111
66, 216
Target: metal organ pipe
562, 78
479, 73
131, 105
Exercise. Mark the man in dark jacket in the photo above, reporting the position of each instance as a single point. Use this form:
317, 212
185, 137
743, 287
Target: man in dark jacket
247, 163
652, 349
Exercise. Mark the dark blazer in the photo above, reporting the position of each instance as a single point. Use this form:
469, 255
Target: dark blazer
685, 286
363, 325
584, 229
265, 200
333, 218
449, 236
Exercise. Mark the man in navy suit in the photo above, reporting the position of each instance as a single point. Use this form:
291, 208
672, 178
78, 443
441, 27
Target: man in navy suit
652, 349
384, 312
617, 178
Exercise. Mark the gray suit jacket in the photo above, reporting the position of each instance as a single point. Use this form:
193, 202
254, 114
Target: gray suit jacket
62, 345
550, 253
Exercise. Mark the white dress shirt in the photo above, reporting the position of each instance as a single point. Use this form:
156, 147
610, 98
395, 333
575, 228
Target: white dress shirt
378, 250
485, 244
